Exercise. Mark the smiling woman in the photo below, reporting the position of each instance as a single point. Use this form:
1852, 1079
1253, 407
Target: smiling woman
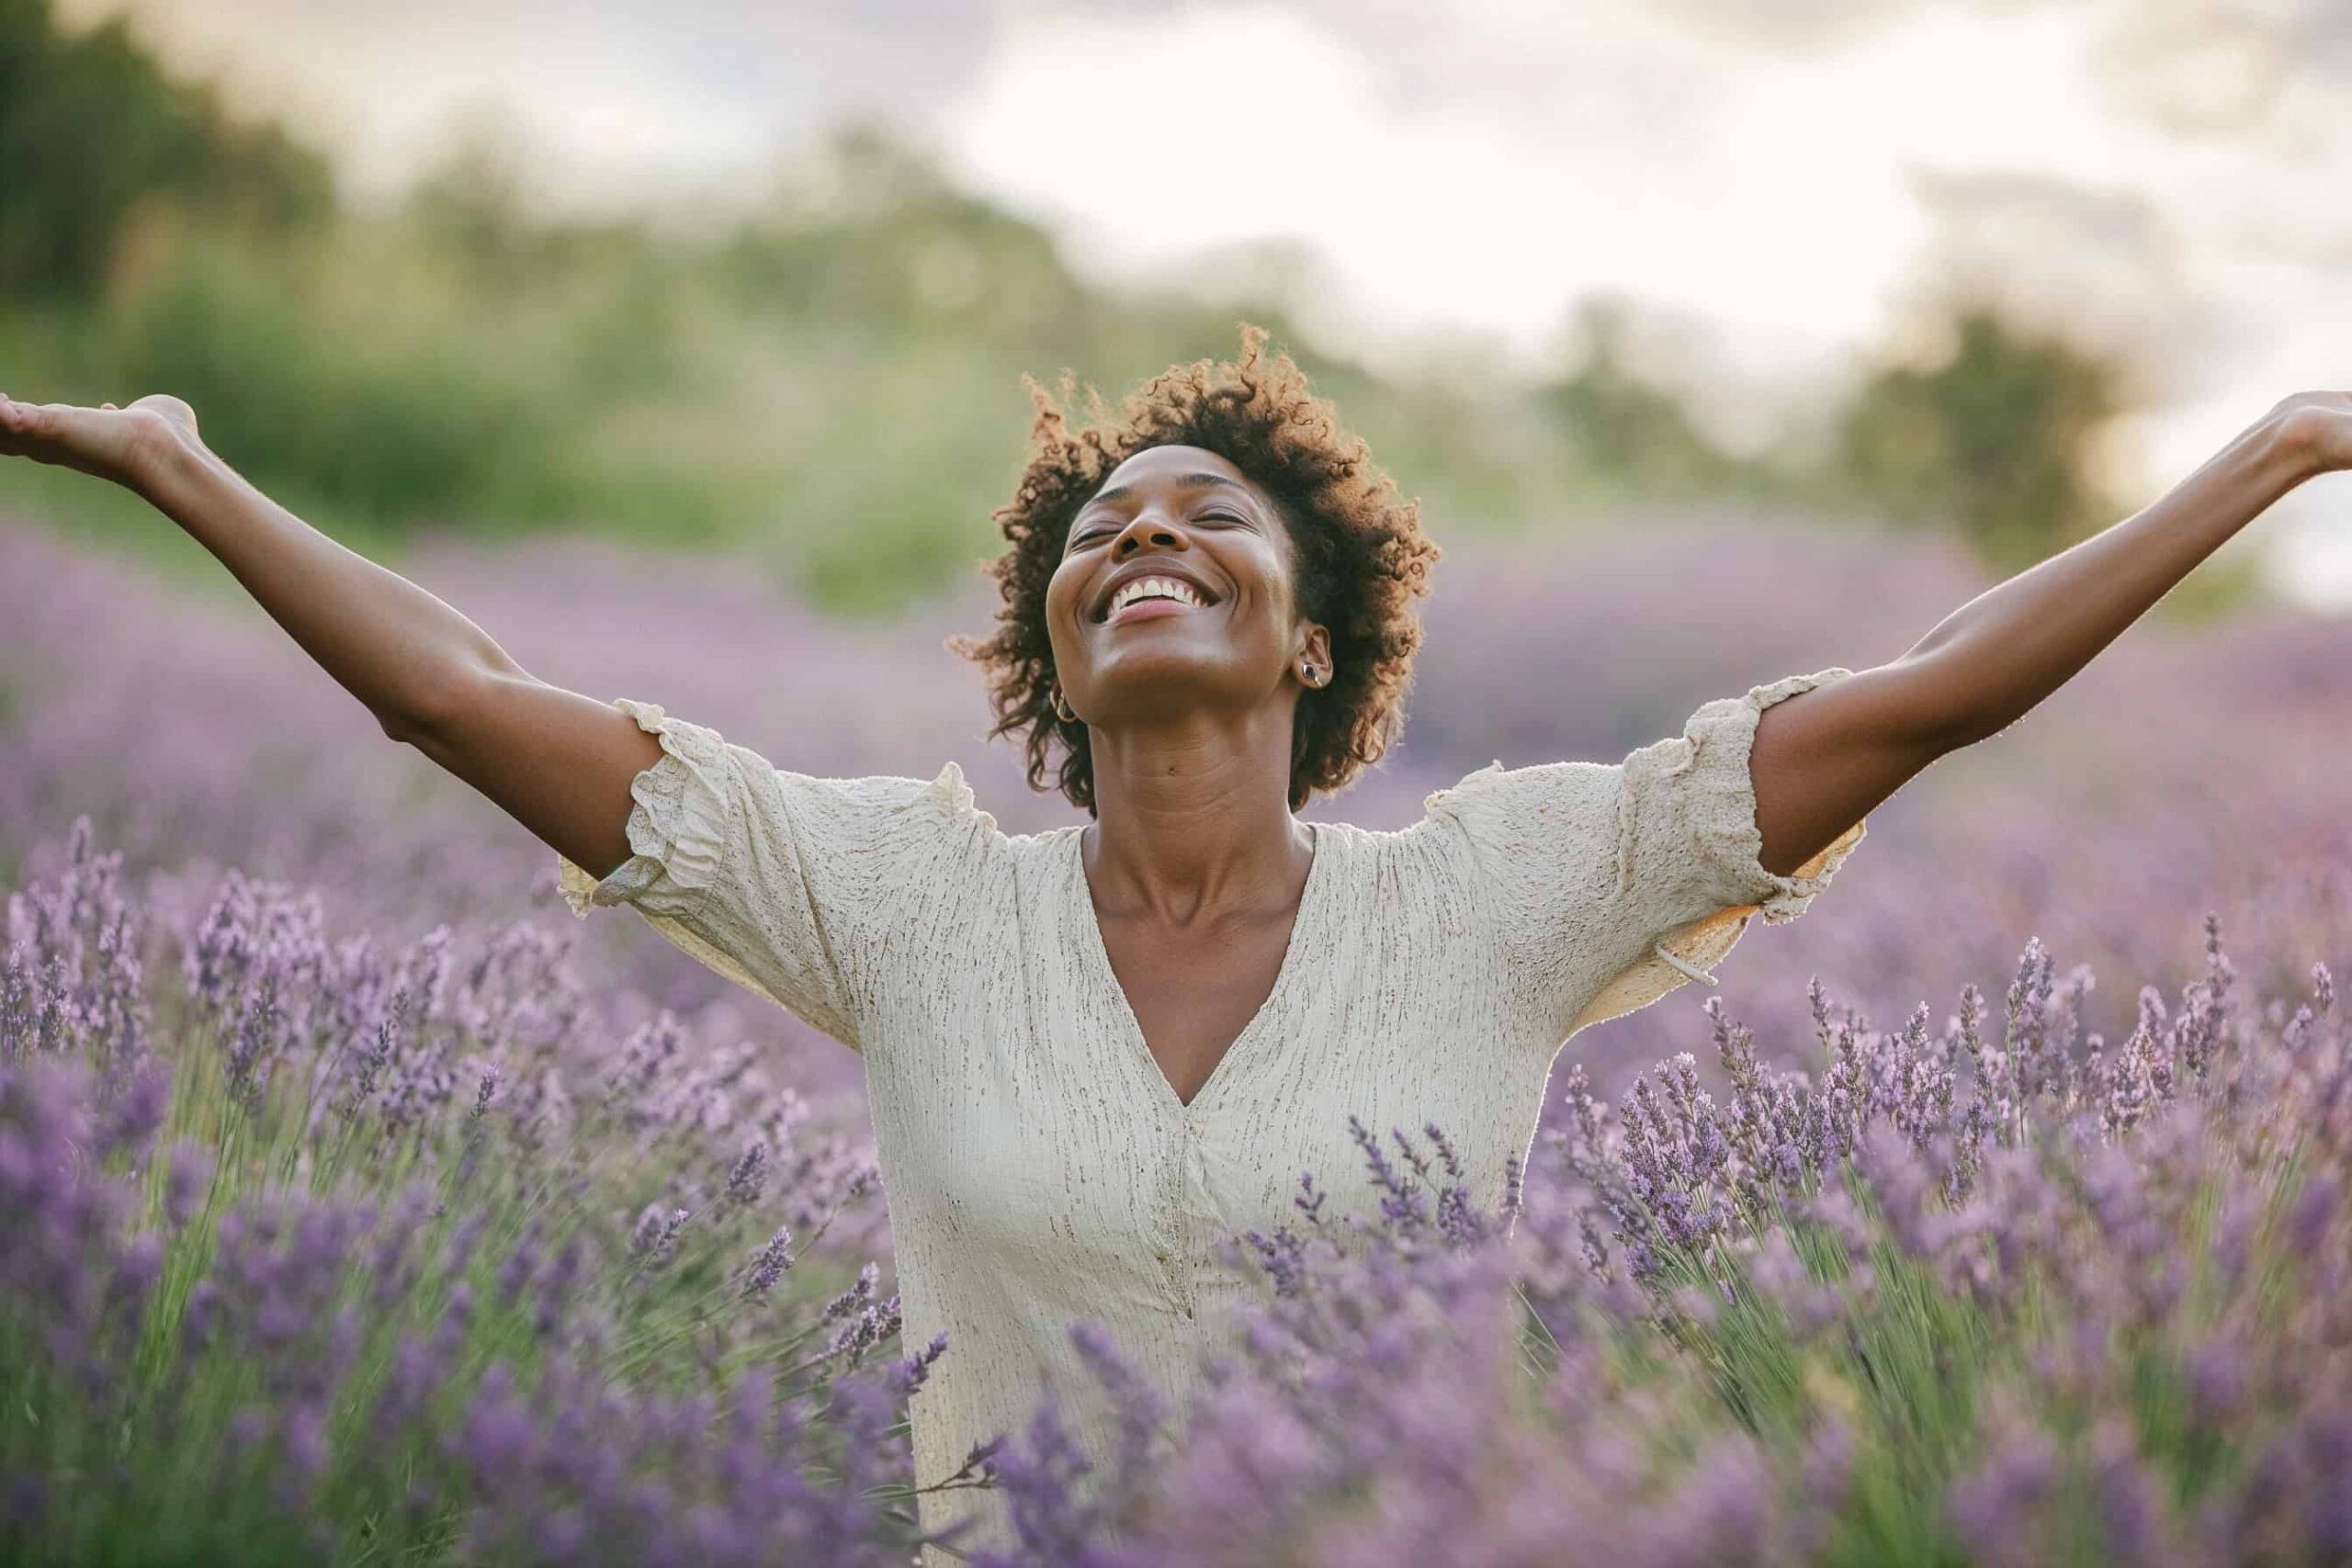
1095, 1054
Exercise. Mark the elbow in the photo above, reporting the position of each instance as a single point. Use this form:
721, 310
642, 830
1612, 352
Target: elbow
1976, 728
1946, 739
1938, 706
407, 728
431, 710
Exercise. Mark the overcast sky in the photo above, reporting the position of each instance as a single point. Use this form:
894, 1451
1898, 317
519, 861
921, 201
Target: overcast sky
1775, 184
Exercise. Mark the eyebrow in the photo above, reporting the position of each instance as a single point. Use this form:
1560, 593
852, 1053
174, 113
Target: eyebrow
1183, 482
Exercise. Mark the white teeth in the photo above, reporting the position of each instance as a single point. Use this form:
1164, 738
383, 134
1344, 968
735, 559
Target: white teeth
1148, 587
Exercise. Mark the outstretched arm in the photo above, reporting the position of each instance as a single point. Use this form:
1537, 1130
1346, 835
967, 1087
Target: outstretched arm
558, 763
1822, 759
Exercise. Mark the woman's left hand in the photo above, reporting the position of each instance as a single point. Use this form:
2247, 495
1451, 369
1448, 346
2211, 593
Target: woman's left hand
2319, 425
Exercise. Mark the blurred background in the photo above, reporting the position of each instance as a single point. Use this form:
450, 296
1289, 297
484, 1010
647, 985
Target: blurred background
679, 347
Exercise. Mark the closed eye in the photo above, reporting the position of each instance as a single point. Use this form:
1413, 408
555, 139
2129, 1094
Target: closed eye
1088, 535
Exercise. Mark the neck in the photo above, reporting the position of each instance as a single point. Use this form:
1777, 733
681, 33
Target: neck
1192, 817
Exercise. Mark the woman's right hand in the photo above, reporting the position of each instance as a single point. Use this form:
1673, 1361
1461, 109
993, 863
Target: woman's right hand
121, 444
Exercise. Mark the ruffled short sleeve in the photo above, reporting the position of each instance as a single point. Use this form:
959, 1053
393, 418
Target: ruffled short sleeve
797, 889
1614, 884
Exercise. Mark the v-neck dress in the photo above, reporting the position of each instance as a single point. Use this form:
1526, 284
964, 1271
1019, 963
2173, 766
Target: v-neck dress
1039, 1169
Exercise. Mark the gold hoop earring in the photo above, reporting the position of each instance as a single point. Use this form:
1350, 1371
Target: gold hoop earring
1062, 708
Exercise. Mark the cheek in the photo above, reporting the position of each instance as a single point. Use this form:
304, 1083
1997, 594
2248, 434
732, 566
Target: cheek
1272, 591
1061, 601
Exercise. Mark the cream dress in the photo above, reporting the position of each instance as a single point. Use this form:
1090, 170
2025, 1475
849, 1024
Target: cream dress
1039, 1169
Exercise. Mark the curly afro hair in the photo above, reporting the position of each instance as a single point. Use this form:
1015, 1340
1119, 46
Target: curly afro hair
1361, 554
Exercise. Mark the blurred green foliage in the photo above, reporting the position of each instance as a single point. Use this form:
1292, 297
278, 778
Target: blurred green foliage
1631, 430
90, 127
827, 382
1992, 441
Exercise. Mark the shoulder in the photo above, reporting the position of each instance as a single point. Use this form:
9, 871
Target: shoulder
891, 802
945, 795
883, 838
1501, 804
1397, 861
1493, 804
1420, 884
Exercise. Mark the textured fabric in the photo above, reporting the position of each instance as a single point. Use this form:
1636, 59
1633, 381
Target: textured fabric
1039, 1169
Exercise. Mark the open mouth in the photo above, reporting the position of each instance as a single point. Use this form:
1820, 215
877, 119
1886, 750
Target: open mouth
1147, 597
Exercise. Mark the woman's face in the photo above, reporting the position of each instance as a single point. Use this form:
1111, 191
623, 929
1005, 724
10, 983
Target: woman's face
1230, 637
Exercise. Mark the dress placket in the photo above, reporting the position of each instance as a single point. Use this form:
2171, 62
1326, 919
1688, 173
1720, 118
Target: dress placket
1183, 1225
1171, 1243
1191, 1211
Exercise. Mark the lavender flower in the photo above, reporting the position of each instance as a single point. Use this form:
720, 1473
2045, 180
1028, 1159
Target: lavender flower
769, 1264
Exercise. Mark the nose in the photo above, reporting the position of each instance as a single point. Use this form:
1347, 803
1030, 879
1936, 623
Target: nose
1146, 528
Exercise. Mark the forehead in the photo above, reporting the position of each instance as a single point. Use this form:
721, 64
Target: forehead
1172, 466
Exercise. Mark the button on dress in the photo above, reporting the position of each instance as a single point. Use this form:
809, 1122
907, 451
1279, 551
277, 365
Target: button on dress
1039, 1169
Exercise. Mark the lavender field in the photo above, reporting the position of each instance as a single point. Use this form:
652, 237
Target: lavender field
365, 1207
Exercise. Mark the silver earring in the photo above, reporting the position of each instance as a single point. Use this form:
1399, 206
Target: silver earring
1313, 676
1062, 709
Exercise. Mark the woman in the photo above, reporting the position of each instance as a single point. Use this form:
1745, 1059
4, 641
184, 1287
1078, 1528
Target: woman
1094, 1053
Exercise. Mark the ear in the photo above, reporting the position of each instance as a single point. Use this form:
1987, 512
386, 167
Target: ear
1313, 648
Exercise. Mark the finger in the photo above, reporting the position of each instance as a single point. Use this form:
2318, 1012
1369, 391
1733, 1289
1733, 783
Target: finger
105, 405
16, 427
61, 425
25, 428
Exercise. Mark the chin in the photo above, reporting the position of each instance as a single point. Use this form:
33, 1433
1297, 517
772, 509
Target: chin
1156, 681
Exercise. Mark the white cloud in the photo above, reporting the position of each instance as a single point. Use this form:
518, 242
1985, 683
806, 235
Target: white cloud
619, 99
1771, 183
2203, 67
1765, 203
